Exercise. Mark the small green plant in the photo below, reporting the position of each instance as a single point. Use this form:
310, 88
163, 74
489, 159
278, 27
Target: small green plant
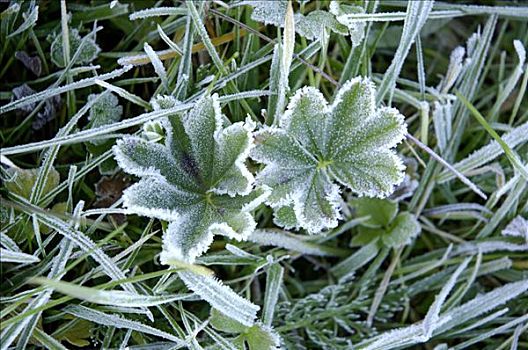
254, 175
196, 180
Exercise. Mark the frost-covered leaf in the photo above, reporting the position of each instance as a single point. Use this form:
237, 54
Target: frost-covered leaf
105, 111
342, 12
518, 227
313, 25
88, 53
9, 256
316, 145
196, 180
221, 297
48, 112
32, 63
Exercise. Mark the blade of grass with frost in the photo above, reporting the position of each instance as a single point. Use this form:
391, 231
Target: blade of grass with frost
512, 157
114, 297
57, 271
517, 136
10, 332
511, 82
280, 68
184, 68
29, 21
435, 264
495, 331
119, 322
414, 334
508, 11
470, 80
157, 64
87, 245
435, 156
202, 32
90, 134
51, 154
125, 94
9, 243
274, 277
158, 11
221, 297
290, 241
433, 314
289, 40
510, 202
442, 122
47, 340
416, 16
10, 256
382, 288
24, 101
194, 268
168, 41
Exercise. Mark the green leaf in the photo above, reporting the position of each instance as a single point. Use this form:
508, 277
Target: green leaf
21, 181
260, 337
403, 229
381, 211
366, 235
77, 334
196, 180
318, 145
257, 337
88, 53
224, 323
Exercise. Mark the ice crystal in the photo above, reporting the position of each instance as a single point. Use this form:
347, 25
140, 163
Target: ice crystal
316, 145
196, 180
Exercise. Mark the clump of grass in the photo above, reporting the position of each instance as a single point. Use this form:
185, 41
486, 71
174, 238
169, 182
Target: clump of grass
264, 174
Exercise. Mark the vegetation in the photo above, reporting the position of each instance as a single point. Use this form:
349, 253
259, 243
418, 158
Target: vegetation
264, 174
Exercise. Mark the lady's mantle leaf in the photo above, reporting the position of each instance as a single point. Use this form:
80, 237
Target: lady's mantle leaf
384, 225
317, 145
196, 180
